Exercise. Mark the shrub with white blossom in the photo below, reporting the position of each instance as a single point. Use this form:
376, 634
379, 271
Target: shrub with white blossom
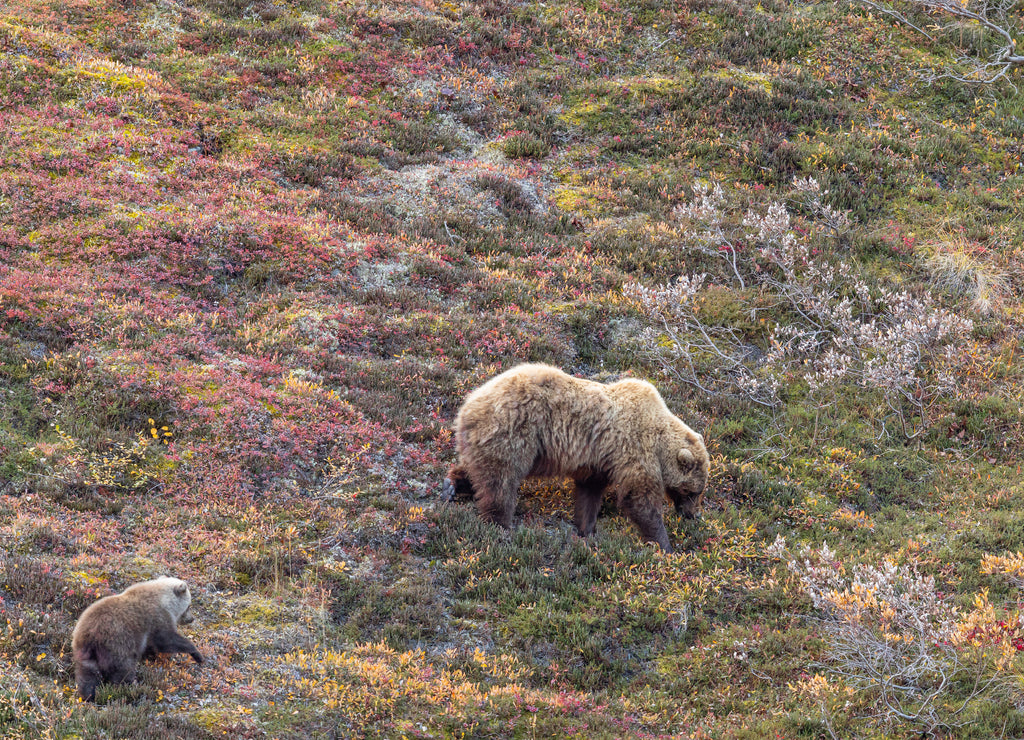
837, 328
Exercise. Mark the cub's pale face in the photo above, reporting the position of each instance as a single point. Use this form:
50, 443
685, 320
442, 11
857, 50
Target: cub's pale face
179, 601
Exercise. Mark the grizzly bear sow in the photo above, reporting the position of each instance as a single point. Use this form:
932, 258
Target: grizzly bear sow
534, 420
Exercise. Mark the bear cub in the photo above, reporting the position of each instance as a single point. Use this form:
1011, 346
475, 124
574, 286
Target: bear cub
620, 438
117, 631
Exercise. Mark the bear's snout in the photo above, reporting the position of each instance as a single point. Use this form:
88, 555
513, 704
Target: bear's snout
687, 512
688, 507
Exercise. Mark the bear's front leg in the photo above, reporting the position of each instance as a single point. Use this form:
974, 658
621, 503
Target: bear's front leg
169, 641
652, 527
641, 500
121, 674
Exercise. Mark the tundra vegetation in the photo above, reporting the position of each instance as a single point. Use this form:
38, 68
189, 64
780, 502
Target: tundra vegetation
254, 254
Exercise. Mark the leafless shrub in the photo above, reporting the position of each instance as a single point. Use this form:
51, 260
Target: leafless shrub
982, 33
833, 220
894, 640
684, 339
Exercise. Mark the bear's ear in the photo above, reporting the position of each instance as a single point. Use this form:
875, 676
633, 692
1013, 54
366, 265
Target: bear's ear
686, 458
180, 590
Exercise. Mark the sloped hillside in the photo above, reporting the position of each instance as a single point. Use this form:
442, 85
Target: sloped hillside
254, 254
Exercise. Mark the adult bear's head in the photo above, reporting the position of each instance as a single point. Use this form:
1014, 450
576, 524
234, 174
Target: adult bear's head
684, 469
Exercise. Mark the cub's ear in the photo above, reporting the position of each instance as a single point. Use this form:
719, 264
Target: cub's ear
686, 458
180, 590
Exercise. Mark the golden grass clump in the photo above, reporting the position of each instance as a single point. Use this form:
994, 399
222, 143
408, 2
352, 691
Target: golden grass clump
959, 267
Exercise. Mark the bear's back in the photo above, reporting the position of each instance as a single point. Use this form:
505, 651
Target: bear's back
535, 391
536, 409
128, 616
638, 398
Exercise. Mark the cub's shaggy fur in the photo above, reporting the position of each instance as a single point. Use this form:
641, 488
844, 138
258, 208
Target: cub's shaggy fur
114, 633
534, 420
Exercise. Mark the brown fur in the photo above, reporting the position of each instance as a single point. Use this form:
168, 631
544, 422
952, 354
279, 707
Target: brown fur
534, 420
114, 633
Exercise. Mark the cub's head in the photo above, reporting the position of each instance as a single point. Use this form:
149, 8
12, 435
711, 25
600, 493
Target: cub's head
176, 598
684, 469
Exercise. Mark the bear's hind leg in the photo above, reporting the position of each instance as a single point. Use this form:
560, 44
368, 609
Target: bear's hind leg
495, 494
120, 674
589, 492
87, 678
457, 486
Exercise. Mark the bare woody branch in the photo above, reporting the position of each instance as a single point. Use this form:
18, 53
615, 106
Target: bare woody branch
994, 17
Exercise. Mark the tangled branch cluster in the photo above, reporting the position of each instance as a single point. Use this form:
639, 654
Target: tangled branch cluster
990, 58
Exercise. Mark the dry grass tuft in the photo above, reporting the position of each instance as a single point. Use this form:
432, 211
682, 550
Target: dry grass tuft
959, 267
